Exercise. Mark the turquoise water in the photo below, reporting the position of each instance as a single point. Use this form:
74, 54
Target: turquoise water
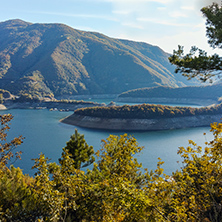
45, 134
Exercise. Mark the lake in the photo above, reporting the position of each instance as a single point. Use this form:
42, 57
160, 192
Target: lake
107, 101
45, 134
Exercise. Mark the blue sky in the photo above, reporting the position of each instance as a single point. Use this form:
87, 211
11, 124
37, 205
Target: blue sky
165, 23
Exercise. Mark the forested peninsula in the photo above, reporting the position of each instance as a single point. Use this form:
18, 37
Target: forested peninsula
144, 117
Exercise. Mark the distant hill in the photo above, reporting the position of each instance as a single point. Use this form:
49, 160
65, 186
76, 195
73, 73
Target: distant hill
195, 92
56, 60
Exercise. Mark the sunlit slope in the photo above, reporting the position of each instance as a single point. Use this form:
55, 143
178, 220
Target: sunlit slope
54, 59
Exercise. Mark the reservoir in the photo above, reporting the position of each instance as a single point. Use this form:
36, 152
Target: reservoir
45, 134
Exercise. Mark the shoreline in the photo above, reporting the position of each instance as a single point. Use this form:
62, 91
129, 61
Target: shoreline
9, 104
115, 124
116, 98
53, 105
200, 102
141, 124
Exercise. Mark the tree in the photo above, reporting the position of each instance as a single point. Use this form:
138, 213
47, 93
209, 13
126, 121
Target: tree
79, 151
1, 98
117, 188
17, 202
7, 148
197, 63
114, 187
14, 190
197, 193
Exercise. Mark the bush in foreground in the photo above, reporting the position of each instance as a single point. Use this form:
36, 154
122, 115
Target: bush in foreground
117, 188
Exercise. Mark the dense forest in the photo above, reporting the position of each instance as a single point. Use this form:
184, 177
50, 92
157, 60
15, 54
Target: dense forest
195, 92
116, 188
147, 111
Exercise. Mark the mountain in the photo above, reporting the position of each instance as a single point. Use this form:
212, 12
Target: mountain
57, 60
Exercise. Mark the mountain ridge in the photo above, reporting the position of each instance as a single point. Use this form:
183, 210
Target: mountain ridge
55, 60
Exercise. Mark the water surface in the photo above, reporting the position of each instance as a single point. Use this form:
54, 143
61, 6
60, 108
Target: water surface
45, 134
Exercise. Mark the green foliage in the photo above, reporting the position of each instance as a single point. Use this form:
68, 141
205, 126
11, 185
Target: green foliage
117, 188
202, 66
5, 93
114, 189
147, 111
27, 98
7, 147
197, 193
213, 14
50, 199
1, 98
17, 202
197, 63
75, 102
79, 151
32, 84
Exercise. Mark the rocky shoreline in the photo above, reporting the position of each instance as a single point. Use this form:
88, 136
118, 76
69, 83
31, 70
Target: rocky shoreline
141, 124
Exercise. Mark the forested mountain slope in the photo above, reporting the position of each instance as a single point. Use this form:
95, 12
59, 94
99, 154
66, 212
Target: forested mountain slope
57, 60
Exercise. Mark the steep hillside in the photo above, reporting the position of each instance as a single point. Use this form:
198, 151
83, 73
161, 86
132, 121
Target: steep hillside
56, 60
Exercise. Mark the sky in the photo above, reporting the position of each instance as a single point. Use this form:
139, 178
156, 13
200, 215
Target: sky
164, 23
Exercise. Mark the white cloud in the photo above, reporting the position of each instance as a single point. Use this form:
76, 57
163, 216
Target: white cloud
121, 12
162, 22
190, 8
177, 14
202, 3
161, 8
138, 1
92, 16
186, 39
132, 25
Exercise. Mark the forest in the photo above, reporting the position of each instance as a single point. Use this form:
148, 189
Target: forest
147, 111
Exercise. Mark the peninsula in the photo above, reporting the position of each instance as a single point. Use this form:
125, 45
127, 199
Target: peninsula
197, 95
60, 105
144, 117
